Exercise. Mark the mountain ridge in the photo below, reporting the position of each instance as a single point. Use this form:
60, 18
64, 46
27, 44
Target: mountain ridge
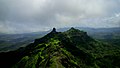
72, 48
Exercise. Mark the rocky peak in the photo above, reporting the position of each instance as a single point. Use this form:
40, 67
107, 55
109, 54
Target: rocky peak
74, 31
54, 30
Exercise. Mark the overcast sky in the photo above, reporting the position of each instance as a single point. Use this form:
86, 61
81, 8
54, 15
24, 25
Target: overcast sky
18, 16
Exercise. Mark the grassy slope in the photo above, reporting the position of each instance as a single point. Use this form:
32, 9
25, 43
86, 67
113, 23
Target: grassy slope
72, 48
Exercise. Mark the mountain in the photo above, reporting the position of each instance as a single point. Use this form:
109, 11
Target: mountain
109, 35
70, 49
94, 30
10, 42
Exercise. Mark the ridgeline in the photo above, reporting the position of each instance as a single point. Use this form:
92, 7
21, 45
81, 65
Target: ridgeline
70, 49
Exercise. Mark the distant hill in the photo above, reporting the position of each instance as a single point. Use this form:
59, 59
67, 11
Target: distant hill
10, 42
70, 49
91, 30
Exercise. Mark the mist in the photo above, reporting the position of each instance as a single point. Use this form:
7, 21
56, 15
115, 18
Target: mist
20, 16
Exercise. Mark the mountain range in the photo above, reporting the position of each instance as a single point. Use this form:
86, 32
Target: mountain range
69, 49
10, 42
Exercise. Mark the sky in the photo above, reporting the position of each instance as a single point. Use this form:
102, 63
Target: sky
19, 16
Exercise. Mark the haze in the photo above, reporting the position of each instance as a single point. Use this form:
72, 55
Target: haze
19, 16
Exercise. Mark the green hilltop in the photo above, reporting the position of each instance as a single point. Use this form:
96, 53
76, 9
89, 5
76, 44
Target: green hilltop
70, 49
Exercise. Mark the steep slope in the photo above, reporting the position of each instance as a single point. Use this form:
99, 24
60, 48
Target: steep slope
69, 49
51, 51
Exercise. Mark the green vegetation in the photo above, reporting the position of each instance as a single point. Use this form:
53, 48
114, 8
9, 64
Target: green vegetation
70, 49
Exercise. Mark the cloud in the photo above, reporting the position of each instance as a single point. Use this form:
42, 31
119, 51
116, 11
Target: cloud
18, 16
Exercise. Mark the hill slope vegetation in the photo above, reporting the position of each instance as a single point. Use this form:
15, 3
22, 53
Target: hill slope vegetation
70, 49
